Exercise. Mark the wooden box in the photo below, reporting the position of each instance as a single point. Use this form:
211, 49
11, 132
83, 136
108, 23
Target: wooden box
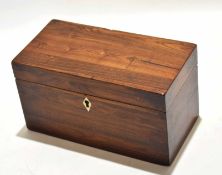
126, 93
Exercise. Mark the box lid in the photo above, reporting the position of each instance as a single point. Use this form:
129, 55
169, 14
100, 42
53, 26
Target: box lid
129, 61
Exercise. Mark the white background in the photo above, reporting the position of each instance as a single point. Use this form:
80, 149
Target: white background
24, 152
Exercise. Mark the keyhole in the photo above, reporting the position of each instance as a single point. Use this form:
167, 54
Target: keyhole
87, 104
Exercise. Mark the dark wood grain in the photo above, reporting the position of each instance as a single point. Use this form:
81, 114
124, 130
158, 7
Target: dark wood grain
89, 86
113, 126
143, 89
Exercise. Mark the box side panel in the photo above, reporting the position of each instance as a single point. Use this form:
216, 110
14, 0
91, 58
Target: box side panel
182, 113
125, 129
90, 86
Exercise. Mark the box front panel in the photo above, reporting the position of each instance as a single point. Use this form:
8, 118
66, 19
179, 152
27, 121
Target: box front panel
122, 128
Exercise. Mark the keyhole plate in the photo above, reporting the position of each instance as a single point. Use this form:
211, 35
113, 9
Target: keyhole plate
87, 104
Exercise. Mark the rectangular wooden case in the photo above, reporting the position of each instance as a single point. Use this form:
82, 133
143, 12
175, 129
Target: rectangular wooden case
130, 94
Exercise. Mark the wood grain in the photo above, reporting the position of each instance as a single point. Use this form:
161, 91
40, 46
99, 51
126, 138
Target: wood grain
182, 113
137, 61
181, 78
143, 89
113, 126
91, 87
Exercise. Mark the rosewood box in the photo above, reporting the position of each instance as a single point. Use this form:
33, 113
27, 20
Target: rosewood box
127, 93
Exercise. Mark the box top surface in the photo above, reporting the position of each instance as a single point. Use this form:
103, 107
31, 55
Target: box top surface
142, 62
